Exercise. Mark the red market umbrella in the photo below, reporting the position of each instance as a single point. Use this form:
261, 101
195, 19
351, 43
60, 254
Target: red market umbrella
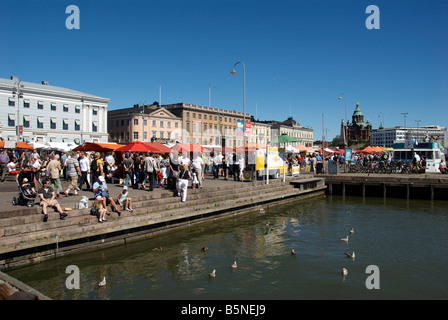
137, 146
180, 147
161, 148
100, 147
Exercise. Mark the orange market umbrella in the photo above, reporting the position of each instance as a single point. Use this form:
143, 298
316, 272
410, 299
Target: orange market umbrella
23, 145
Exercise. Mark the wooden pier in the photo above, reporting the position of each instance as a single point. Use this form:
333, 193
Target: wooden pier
429, 187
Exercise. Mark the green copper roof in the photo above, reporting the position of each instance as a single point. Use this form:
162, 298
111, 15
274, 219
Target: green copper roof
357, 111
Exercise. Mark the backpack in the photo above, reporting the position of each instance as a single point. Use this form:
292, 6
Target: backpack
94, 165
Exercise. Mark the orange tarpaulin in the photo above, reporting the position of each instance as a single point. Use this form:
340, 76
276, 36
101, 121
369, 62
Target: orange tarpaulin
304, 148
100, 147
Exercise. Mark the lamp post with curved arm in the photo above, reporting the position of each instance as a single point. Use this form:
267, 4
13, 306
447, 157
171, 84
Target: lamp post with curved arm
244, 102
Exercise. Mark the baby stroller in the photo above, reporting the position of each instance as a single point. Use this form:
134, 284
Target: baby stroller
27, 192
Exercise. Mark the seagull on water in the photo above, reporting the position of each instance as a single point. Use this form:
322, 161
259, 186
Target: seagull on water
213, 274
234, 265
344, 271
352, 231
345, 239
348, 255
293, 253
102, 283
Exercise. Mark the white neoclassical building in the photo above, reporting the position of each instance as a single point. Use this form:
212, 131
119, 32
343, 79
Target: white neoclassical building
42, 113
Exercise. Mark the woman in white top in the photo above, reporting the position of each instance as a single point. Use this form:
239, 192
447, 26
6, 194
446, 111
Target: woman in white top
184, 176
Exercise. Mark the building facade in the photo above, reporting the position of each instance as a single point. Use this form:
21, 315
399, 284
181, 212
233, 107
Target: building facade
388, 136
44, 113
144, 123
292, 128
207, 125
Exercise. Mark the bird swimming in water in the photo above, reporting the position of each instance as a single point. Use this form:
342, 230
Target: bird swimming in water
234, 265
344, 271
352, 231
157, 249
213, 274
348, 255
102, 283
204, 249
293, 253
345, 239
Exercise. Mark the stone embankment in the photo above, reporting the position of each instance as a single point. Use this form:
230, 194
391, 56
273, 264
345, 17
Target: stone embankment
25, 239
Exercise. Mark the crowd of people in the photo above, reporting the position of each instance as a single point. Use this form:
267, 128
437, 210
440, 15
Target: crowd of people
91, 171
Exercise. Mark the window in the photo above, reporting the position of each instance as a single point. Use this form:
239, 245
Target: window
145, 122
161, 123
11, 120
26, 121
154, 133
40, 105
176, 125
77, 125
135, 123
135, 134
188, 114
169, 124
117, 123
11, 102
145, 135
40, 122
194, 115
53, 107
154, 123
199, 116
26, 103
161, 134
188, 126
65, 108
77, 109
65, 124
53, 123
95, 112
95, 126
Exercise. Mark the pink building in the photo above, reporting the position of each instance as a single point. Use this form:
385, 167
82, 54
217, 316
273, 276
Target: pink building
143, 123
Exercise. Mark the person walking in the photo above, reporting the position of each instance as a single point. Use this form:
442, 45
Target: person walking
197, 167
184, 176
84, 166
96, 168
72, 167
54, 169
128, 166
150, 169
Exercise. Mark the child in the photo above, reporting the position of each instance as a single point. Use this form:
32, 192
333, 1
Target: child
124, 200
27, 188
98, 204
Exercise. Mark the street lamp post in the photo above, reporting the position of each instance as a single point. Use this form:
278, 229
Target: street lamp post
17, 86
345, 131
418, 128
244, 102
383, 138
404, 114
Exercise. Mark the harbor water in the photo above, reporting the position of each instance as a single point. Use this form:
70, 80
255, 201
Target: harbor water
404, 241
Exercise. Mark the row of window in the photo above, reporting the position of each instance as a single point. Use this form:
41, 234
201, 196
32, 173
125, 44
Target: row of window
122, 135
53, 124
210, 117
53, 106
118, 123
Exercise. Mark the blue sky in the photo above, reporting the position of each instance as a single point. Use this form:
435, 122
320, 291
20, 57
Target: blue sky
299, 55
